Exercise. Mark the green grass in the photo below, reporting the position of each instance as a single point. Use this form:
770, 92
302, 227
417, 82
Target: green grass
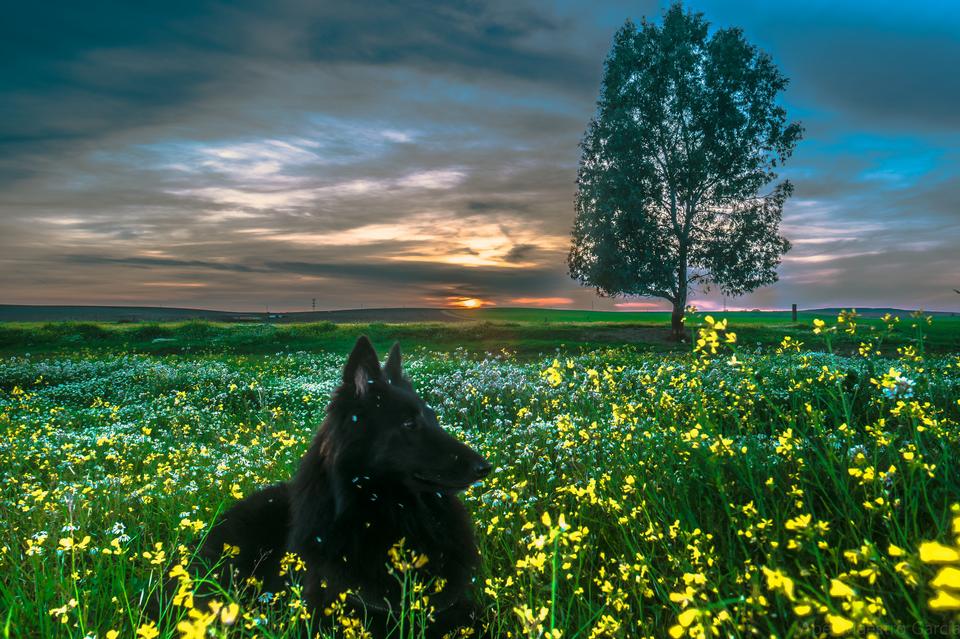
561, 316
529, 332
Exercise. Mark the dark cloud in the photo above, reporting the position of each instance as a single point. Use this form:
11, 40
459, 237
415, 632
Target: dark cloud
471, 37
880, 64
155, 262
520, 252
75, 72
483, 206
898, 82
481, 281
374, 271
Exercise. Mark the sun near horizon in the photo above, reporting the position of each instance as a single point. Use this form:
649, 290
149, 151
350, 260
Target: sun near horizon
471, 302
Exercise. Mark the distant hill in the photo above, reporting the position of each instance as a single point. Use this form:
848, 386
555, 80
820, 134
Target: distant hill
878, 312
41, 313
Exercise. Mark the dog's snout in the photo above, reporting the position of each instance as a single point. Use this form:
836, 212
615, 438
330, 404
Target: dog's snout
482, 469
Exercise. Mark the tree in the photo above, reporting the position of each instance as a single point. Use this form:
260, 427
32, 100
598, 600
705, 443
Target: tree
686, 134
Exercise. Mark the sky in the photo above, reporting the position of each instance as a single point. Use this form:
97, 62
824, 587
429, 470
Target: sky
379, 153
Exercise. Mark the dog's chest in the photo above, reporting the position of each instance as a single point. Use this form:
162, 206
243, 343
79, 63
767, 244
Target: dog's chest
379, 526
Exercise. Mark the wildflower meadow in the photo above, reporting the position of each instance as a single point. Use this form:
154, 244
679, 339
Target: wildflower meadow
786, 490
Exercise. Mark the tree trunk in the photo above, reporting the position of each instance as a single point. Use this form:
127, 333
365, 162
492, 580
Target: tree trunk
676, 322
680, 296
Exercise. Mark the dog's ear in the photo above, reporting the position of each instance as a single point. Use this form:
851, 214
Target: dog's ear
362, 367
394, 365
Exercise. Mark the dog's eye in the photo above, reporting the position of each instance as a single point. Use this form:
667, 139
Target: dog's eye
410, 424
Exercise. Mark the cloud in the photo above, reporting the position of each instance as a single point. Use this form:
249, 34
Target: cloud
519, 252
499, 39
394, 153
541, 301
482, 206
880, 65
435, 179
154, 262
641, 306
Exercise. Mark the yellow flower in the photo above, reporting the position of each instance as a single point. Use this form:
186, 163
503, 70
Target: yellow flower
932, 552
839, 625
291, 561
948, 577
684, 620
195, 525
148, 630
687, 617
229, 613
840, 589
945, 601
777, 580
67, 543
401, 558
63, 610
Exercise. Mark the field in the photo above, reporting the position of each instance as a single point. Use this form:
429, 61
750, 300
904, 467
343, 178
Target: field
752, 487
526, 332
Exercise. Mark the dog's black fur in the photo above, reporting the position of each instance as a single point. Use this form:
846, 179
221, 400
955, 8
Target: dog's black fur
380, 468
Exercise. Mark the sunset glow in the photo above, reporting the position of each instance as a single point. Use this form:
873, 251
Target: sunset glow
641, 306
470, 302
541, 301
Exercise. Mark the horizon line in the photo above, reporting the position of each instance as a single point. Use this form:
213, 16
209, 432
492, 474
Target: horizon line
462, 308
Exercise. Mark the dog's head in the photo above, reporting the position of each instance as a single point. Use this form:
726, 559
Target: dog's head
380, 428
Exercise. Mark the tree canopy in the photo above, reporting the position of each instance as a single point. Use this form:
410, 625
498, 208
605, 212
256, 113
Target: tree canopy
687, 135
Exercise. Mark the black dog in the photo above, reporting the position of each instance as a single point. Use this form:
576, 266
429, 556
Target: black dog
380, 469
